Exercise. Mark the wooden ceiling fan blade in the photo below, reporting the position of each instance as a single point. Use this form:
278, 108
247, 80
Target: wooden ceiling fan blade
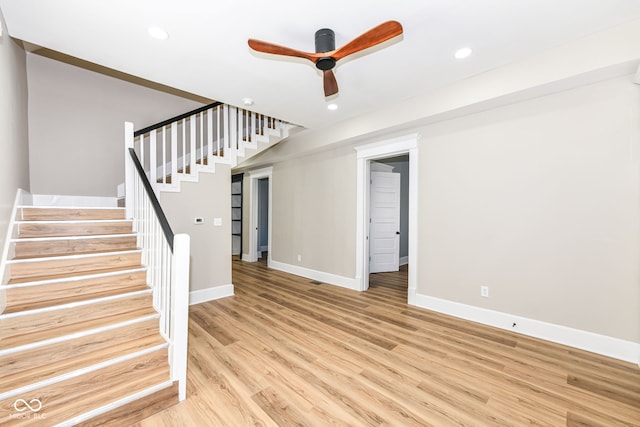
266, 47
330, 83
374, 36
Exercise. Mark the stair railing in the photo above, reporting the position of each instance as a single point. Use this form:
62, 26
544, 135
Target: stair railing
166, 257
177, 149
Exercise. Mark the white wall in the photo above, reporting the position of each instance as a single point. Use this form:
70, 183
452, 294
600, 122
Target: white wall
210, 245
314, 212
76, 126
538, 201
14, 148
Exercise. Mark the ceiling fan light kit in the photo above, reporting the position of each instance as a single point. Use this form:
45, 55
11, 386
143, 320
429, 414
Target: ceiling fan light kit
326, 55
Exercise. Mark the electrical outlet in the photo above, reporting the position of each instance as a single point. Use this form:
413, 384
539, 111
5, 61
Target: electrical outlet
299, 258
484, 291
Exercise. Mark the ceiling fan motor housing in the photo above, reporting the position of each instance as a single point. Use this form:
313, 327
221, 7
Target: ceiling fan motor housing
325, 42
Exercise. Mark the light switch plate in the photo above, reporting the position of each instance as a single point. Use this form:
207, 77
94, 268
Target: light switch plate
217, 222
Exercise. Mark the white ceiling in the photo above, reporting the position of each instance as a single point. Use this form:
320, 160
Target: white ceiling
207, 53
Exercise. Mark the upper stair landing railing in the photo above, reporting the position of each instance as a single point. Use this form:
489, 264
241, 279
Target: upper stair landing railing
177, 149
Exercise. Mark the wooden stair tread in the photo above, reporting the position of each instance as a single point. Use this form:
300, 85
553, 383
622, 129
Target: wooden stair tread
16, 281
38, 335
74, 266
35, 300
36, 213
39, 321
32, 366
75, 396
54, 255
62, 229
58, 286
59, 247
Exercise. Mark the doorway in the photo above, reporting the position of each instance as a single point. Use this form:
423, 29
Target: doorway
260, 196
263, 217
388, 214
392, 148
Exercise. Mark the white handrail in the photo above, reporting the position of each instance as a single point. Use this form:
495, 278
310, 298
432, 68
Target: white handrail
166, 258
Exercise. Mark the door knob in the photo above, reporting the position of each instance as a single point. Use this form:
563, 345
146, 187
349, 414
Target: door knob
397, 232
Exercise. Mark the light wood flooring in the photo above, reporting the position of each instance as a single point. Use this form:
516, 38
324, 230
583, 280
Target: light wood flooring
289, 351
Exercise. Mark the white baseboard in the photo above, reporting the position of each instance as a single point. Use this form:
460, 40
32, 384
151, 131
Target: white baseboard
320, 276
210, 294
601, 344
404, 260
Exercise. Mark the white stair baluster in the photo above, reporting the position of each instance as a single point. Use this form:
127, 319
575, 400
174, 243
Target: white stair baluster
142, 151
210, 136
227, 142
174, 153
201, 155
153, 160
232, 119
254, 132
164, 155
192, 140
218, 136
184, 146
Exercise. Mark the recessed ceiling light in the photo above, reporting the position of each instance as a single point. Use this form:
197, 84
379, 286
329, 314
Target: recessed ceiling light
158, 33
332, 106
462, 53
247, 101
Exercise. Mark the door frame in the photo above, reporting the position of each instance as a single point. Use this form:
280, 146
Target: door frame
254, 176
407, 144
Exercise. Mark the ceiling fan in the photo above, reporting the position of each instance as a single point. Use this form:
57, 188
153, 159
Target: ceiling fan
327, 55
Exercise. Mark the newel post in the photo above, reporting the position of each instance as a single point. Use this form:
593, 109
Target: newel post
128, 170
180, 310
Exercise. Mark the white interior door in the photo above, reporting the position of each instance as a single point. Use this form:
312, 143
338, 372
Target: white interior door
384, 229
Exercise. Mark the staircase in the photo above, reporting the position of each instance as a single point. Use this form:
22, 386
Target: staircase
94, 300
178, 149
80, 341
